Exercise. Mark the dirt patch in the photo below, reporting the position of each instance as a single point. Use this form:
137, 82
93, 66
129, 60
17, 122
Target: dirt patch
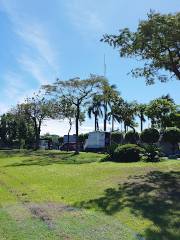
48, 212
18, 212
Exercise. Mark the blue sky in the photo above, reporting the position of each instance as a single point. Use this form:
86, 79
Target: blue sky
42, 40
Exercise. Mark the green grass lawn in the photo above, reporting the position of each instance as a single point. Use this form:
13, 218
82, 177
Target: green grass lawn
57, 195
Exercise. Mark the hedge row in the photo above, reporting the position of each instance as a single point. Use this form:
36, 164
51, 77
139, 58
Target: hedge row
149, 135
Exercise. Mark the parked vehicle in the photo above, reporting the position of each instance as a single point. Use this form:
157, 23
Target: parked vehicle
97, 141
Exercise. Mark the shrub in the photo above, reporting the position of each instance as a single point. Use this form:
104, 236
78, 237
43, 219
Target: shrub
171, 135
111, 149
60, 140
152, 153
131, 137
150, 135
116, 137
82, 137
127, 153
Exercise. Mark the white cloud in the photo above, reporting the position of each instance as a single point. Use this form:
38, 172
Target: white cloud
16, 88
36, 37
14, 85
34, 67
36, 40
84, 16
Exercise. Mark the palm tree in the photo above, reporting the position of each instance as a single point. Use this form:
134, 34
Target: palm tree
125, 112
128, 115
109, 92
95, 109
141, 108
112, 115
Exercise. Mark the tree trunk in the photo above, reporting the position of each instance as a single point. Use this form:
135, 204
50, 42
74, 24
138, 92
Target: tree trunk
105, 117
77, 127
125, 128
105, 124
70, 126
112, 123
141, 124
37, 133
132, 128
37, 141
95, 122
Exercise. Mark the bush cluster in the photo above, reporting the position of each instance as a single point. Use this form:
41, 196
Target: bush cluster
132, 137
150, 135
171, 135
152, 153
116, 137
132, 152
127, 153
111, 149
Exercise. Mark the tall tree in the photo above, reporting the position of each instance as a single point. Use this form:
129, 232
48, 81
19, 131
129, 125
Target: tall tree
38, 109
141, 109
109, 92
159, 111
24, 127
116, 103
65, 110
157, 40
95, 109
16, 130
129, 112
8, 129
125, 112
77, 92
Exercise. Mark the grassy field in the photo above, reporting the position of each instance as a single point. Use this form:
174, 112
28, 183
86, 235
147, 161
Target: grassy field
54, 195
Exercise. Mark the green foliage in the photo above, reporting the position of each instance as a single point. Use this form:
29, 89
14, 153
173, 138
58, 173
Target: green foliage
156, 41
52, 137
150, 135
109, 94
127, 153
131, 137
171, 135
60, 140
152, 153
83, 137
111, 149
116, 137
15, 129
37, 109
124, 111
95, 109
76, 92
159, 111
174, 119
141, 112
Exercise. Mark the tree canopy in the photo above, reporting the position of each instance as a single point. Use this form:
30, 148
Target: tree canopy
156, 42
159, 111
77, 93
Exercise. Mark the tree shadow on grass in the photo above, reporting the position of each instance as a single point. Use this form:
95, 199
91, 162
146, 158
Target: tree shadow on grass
155, 196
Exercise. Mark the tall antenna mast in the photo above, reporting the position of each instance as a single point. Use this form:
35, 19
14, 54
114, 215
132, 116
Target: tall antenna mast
104, 65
